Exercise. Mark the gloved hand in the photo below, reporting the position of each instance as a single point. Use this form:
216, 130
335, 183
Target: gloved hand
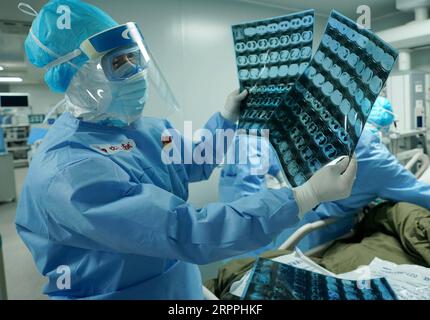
333, 182
275, 183
232, 106
271, 182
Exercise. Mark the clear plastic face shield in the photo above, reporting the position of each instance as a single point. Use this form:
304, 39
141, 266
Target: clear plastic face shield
132, 75
120, 82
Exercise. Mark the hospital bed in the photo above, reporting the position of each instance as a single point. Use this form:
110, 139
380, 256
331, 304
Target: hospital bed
419, 164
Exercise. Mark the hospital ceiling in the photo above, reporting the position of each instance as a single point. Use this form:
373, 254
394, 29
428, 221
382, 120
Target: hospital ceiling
380, 8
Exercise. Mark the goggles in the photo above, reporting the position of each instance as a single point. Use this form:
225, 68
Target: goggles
123, 53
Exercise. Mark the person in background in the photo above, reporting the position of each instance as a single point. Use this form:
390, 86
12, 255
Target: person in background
379, 175
236, 180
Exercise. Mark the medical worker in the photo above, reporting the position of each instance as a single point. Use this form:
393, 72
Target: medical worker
237, 179
379, 175
104, 216
381, 117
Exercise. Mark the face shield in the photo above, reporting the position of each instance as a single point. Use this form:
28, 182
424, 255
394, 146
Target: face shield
120, 82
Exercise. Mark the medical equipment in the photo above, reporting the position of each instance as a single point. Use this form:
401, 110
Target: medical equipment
270, 56
36, 118
401, 144
407, 92
14, 100
16, 142
323, 115
417, 163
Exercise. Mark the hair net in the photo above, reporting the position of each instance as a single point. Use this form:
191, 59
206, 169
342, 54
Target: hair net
382, 115
49, 39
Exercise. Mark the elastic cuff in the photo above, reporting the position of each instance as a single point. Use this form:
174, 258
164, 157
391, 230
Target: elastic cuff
229, 116
305, 199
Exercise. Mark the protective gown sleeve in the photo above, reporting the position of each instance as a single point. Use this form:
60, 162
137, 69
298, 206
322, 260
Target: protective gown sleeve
202, 170
93, 204
379, 174
275, 166
392, 181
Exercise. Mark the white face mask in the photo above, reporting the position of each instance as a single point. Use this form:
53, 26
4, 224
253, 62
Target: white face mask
93, 98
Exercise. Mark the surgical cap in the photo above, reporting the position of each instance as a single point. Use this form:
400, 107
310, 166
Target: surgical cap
85, 21
382, 113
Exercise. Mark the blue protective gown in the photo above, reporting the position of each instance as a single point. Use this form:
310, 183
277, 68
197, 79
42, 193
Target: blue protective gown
379, 174
236, 180
119, 218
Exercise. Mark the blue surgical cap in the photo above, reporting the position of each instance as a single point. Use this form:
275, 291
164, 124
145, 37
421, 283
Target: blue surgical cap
382, 114
85, 21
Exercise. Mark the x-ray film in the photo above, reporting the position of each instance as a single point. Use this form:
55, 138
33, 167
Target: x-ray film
272, 280
323, 115
270, 56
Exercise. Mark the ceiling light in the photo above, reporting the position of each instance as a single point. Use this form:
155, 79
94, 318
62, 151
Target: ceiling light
1, 68
10, 79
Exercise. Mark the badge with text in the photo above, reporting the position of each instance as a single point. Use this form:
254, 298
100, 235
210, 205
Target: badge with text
166, 140
111, 149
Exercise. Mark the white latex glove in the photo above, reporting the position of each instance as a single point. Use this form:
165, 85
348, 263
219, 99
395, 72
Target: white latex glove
275, 183
272, 183
232, 105
333, 182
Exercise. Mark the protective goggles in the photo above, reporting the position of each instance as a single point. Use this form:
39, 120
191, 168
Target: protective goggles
123, 53
121, 64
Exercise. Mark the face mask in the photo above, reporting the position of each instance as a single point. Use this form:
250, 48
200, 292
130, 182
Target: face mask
128, 100
93, 98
